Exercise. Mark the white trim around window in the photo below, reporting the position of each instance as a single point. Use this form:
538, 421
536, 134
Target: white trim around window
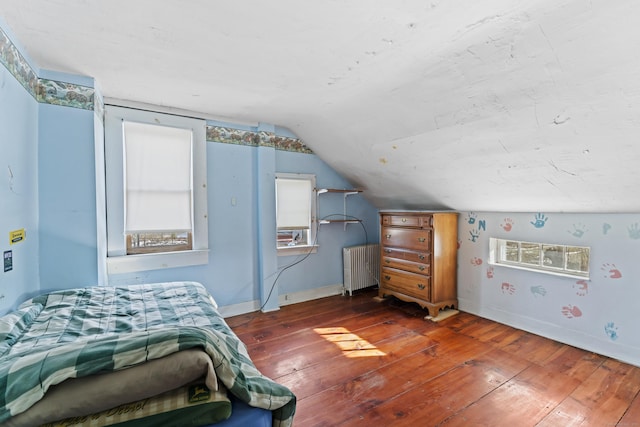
550, 258
296, 213
117, 259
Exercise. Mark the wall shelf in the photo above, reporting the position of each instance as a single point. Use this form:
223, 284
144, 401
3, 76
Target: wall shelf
346, 193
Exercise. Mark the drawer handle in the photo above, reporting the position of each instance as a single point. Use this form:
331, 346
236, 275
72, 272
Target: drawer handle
387, 260
404, 219
388, 236
422, 239
421, 257
421, 286
421, 268
387, 251
387, 277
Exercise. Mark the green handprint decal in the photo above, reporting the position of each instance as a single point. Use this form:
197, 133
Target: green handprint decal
634, 231
538, 290
578, 230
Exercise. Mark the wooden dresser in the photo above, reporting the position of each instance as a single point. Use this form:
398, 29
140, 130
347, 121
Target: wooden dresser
418, 259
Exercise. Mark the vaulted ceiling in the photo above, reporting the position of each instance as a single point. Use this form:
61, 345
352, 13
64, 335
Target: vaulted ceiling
488, 105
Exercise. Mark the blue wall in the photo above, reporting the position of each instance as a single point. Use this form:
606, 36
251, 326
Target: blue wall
18, 188
67, 198
599, 314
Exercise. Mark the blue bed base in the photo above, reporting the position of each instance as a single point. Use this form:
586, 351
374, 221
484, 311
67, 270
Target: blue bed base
243, 415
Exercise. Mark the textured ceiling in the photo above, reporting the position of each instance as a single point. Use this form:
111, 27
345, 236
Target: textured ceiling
491, 105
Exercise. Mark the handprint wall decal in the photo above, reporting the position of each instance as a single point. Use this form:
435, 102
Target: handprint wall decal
582, 286
538, 290
571, 311
611, 270
508, 288
539, 220
507, 224
611, 330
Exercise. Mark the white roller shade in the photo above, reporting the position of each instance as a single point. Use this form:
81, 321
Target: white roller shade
293, 207
157, 170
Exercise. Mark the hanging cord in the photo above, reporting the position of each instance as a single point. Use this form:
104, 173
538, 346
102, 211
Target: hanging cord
286, 267
306, 255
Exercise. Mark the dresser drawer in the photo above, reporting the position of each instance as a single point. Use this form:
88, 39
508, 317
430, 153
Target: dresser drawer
415, 285
401, 264
422, 257
417, 239
407, 221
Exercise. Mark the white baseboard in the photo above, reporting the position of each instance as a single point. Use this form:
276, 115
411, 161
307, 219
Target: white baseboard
311, 294
285, 299
242, 308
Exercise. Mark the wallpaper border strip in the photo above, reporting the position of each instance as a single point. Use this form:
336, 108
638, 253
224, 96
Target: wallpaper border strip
43, 90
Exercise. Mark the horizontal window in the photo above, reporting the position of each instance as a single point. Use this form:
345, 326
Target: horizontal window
563, 260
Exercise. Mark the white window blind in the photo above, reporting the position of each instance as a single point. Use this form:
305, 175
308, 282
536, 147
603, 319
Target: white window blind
293, 207
158, 181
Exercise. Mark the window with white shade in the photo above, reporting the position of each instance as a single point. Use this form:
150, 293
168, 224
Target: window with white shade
295, 211
157, 180
156, 190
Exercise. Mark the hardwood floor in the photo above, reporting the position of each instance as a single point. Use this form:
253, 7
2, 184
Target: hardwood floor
357, 361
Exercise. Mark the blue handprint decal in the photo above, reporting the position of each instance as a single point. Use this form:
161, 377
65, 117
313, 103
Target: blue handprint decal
611, 330
471, 218
540, 220
474, 235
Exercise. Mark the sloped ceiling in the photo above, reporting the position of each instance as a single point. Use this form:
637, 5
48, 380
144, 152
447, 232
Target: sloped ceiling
489, 105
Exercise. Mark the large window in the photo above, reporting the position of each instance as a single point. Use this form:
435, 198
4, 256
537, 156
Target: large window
156, 190
295, 213
564, 260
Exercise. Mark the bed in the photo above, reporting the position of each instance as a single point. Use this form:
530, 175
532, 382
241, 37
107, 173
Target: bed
139, 355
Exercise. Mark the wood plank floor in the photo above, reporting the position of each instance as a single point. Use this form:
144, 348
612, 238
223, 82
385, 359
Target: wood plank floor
356, 361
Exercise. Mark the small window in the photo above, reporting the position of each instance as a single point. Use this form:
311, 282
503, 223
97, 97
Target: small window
564, 260
295, 211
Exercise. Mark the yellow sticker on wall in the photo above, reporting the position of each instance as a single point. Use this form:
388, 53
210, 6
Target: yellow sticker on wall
16, 236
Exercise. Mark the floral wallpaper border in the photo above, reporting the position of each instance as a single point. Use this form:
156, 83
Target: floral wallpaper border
13, 60
43, 90
228, 135
77, 96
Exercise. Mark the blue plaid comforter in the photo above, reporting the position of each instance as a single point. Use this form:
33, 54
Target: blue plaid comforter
79, 332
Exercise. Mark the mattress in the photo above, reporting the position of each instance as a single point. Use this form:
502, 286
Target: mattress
191, 405
103, 335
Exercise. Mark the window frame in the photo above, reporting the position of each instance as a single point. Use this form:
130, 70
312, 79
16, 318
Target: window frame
118, 261
311, 246
498, 248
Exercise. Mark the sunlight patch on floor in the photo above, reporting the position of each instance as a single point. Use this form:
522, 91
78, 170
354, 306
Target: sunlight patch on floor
351, 344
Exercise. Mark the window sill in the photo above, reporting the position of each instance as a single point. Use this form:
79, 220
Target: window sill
297, 250
544, 271
145, 262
